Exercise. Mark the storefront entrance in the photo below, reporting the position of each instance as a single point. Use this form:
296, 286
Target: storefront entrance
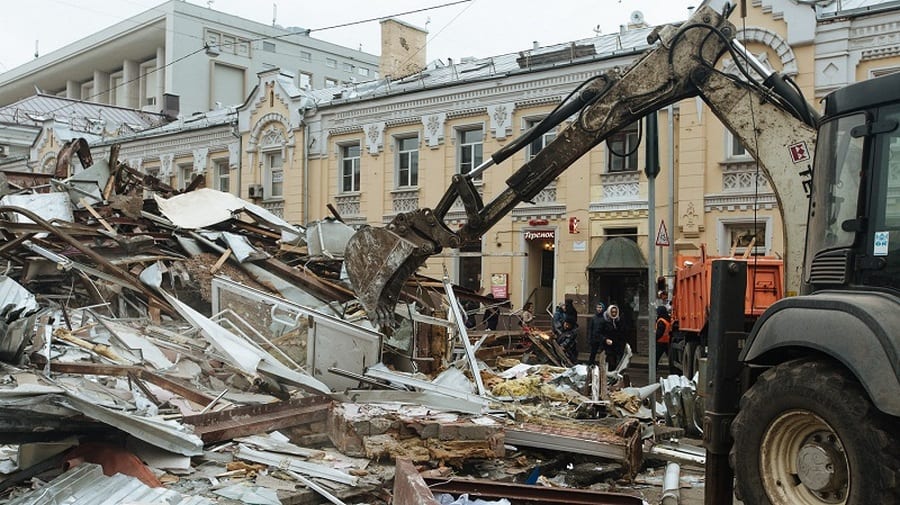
618, 275
540, 247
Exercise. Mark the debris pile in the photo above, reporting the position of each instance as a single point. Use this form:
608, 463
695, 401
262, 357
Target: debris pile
191, 347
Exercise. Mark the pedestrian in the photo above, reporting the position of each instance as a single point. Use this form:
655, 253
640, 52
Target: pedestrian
527, 315
662, 300
491, 314
595, 332
571, 313
568, 340
663, 332
613, 337
559, 317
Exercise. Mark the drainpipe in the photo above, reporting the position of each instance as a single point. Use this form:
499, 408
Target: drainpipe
671, 166
305, 169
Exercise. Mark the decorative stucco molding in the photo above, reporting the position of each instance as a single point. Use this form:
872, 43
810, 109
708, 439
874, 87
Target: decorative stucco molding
501, 118
777, 43
165, 164
200, 160
434, 129
234, 155
374, 137
136, 164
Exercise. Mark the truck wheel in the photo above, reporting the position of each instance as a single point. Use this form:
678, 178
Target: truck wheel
807, 434
687, 359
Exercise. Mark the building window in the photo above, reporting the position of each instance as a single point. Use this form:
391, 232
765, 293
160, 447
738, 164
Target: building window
330, 83
305, 56
348, 67
408, 162
223, 43
185, 175
268, 47
738, 236
540, 142
469, 266
223, 176
622, 148
274, 164
330, 62
733, 147
363, 71
304, 80
471, 150
350, 168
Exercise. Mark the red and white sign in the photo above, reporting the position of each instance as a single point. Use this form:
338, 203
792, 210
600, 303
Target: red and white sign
500, 286
540, 235
662, 236
799, 152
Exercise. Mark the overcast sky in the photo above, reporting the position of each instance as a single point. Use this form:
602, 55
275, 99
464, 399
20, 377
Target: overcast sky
474, 28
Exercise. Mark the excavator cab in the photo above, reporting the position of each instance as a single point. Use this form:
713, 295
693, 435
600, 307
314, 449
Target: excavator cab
854, 219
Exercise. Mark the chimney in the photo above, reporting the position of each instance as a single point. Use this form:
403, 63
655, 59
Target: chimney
402, 49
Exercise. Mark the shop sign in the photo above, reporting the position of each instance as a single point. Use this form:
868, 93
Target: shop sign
540, 235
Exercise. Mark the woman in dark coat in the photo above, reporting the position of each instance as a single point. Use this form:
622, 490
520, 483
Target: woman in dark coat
613, 337
571, 313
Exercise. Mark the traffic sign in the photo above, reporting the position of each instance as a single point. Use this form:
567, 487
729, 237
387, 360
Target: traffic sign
662, 236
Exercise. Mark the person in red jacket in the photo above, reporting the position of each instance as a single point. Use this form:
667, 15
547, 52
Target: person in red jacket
663, 332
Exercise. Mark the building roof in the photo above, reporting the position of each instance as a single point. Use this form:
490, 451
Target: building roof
440, 73
80, 116
853, 8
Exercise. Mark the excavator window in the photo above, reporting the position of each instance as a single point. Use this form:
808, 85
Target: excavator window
835, 194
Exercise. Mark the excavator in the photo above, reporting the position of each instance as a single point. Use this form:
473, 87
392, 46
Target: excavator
819, 417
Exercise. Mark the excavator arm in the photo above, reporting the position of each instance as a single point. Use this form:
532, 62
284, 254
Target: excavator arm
770, 119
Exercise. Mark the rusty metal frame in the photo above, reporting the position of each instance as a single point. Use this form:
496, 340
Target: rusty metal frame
253, 419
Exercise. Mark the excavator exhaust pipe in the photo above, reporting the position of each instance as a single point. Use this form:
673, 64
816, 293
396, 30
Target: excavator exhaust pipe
379, 262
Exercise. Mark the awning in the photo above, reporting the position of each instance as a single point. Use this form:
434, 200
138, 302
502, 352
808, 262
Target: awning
618, 253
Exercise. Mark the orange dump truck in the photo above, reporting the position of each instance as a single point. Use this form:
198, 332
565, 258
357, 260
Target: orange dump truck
691, 301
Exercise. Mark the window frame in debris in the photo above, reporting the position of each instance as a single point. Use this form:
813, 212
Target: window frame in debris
268, 155
406, 177
351, 162
469, 153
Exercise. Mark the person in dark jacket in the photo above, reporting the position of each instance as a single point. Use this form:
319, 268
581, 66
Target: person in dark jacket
559, 317
491, 314
613, 337
594, 333
663, 332
571, 313
568, 340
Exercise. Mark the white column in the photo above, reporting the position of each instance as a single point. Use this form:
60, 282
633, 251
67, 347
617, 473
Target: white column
130, 84
73, 90
101, 87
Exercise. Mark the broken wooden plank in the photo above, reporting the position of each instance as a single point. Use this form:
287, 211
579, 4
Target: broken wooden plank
87, 205
252, 419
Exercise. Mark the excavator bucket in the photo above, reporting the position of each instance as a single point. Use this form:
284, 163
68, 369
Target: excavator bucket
379, 262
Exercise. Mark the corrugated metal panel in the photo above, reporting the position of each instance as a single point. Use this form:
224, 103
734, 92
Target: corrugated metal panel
86, 485
36, 109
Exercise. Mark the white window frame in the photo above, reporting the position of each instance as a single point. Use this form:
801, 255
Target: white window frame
300, 75
544, 139
222, 175
305, 56
331, 62
631, 137
355, 166
348, 67
331, 83
462, 147
268, 155
185, 175
363, 71
412, 158
723, 233
733, 144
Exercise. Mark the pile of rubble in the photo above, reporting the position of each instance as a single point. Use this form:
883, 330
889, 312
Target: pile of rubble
191, 347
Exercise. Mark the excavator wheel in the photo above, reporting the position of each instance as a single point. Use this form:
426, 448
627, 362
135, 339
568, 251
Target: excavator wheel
807, 434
